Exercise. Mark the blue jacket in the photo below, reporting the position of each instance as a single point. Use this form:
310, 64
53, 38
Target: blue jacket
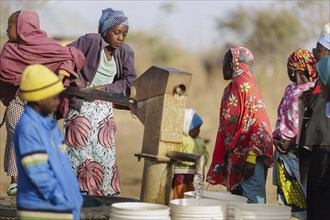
46, 182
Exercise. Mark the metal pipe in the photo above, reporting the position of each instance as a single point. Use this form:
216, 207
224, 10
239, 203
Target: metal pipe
156, 182
198, 159
92, 94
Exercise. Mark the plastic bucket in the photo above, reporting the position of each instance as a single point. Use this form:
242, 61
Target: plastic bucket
139, 210
263, 212
190, 208
231, 199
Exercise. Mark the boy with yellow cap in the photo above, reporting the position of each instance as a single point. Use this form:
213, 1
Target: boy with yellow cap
47, 186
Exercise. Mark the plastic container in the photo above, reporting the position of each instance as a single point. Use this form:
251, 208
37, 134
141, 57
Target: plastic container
227, 197
202, 209
262, 212
139, 210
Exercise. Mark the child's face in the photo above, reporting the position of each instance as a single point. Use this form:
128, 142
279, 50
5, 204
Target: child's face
320, 52
195, 132
49, 105
12, 29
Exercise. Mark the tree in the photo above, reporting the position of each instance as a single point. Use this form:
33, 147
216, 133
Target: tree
276, 30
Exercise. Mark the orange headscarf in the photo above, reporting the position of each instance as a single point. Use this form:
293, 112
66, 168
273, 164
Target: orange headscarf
303, 60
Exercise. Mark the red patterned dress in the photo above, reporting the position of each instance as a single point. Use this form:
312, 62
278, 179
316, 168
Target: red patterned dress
244, 125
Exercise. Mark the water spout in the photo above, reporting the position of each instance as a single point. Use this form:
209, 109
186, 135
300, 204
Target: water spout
198, 159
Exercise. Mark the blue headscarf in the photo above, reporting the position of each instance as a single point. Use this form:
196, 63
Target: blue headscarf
191, 121
111, 18
196, 121
323, 69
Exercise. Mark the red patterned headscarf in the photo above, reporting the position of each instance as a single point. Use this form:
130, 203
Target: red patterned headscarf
244, 125
303, 60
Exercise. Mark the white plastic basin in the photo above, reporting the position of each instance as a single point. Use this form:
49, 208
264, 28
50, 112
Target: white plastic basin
190, 208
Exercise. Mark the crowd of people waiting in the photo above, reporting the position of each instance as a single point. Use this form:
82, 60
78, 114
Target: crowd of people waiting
53, 172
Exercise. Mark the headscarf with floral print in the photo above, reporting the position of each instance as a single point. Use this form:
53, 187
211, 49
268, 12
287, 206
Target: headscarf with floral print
303, 60
244, 125
242, 61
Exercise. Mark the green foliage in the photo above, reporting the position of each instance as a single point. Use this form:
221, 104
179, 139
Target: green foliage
266, 32
274, 33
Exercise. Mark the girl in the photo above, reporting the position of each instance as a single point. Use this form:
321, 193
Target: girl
244, 146
191, 143
28, 44
290, 190
90, 125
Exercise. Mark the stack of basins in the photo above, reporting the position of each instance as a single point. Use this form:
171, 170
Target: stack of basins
139, 211
230, 199
262, 212
198, 209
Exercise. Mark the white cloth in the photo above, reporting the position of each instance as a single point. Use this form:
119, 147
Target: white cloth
188, 116
325, 36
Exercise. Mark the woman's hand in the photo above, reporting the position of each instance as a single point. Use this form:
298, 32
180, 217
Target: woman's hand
301, 78
79, 84
248, 169
100, 88
61, 77
284, 146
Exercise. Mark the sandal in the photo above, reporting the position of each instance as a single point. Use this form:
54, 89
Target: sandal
12, 189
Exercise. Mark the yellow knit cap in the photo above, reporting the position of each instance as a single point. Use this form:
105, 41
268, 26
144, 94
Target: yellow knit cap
38, 83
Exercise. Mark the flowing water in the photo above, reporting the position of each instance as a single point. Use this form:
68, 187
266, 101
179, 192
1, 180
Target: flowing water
198, 184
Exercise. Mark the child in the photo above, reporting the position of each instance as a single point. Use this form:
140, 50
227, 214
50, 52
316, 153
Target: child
301, 68
47, 186
191, 143
28, 44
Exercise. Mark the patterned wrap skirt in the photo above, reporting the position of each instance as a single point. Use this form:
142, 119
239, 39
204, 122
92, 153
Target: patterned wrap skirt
13, 113
89, 135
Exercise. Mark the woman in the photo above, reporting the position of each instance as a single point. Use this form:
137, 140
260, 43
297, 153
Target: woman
244, 145
315, 142
28, 44
286, 174
89, 125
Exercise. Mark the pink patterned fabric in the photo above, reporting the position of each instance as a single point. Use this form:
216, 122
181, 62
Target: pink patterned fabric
33, 47
90, 136
287, 123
